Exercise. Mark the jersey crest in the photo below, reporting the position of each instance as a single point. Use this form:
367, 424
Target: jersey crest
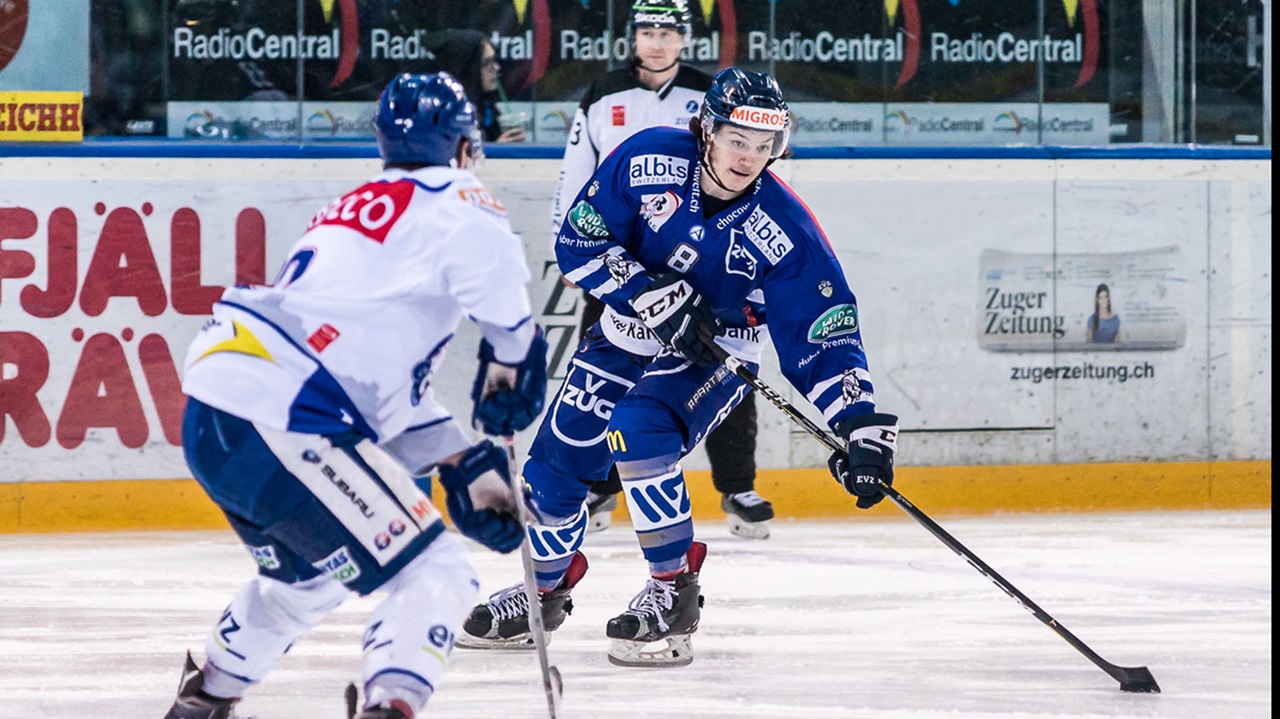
657, 209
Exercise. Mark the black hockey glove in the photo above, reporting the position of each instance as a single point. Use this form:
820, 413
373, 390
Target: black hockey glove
478, 497
680, 317
509, 398
873, 438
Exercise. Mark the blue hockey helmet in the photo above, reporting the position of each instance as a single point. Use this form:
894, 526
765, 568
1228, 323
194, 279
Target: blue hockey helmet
421, 120
750, 100
660, 13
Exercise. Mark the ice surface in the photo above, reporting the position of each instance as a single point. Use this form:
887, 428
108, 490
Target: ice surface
823, 620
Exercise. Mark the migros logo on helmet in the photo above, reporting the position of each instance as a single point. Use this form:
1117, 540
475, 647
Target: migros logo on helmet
762, 117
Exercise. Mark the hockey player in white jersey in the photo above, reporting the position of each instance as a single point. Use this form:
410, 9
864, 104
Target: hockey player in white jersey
310, 412
656, 89
698, 251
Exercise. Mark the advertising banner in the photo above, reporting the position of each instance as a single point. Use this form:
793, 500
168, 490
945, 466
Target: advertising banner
1093, 302
271, 120
896, 72
41, 116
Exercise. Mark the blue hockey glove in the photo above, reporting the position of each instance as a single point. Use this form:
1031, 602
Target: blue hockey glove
509, 398
873, 438
680, 317
478, 497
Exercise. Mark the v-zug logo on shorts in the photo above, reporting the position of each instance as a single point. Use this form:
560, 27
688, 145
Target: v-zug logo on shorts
339, 566
765, 234
584, 398
658, 170
839, 320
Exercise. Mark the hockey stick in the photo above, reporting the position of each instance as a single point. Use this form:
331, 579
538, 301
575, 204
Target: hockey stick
1132, 679
551, 681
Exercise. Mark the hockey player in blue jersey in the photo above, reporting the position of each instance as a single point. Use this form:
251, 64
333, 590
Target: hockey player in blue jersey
695, 249
310, 412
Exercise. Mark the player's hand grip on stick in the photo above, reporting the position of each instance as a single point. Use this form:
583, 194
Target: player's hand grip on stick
508, 398
680, 316
867, 463
479, 498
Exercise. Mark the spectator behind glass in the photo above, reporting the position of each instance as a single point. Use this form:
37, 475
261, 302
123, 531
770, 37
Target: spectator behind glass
471, 58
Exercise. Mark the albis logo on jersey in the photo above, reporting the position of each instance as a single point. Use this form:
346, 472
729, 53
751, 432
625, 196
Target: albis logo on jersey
765, 234
657, 209
658, 170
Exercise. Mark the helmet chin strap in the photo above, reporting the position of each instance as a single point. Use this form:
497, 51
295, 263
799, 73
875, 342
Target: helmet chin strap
641, 66
706, 165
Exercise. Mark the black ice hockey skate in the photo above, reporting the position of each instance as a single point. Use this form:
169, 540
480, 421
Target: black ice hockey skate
193, 703
665, 610
748, 514
503, 621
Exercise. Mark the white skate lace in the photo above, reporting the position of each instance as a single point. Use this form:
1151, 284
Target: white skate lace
509, 603
747, 499
656, 597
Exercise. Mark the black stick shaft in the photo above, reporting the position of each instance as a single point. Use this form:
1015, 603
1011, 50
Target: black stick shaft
1132, 679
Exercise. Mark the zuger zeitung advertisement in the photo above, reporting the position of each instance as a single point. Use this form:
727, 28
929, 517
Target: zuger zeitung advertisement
1042, 302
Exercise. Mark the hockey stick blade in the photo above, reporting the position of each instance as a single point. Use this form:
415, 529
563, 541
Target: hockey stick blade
552, 683
1132, 679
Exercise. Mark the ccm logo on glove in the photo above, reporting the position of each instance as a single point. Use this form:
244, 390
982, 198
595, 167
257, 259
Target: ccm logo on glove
662, 304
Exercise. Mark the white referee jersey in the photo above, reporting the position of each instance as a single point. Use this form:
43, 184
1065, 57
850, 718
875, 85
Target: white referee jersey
615, 107
348, 335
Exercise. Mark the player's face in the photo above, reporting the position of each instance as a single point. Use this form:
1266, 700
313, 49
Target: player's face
739, 155
658, 47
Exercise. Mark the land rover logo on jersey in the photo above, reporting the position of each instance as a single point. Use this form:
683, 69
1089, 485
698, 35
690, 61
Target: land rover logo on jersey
657, 209
339, 566
658, 170
765, 234
824, 288
839, 320
584, 218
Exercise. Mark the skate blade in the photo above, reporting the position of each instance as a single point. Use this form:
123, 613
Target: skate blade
676, 651
750, 530
599, 522
523, 643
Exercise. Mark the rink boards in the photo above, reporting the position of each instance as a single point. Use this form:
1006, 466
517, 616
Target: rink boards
975, 280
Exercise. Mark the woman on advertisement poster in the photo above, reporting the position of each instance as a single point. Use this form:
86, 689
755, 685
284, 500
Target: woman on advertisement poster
1104, 324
